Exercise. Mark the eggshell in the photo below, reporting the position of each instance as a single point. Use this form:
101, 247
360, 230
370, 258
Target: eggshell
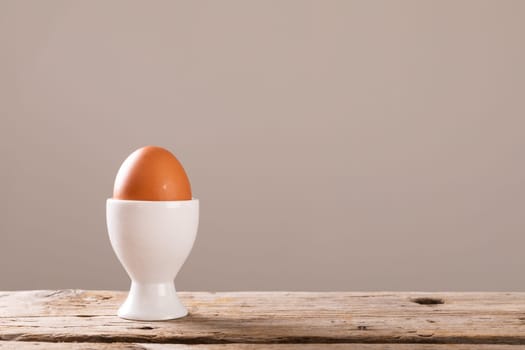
152, 173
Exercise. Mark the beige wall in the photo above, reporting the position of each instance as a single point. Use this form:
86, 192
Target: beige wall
335, 145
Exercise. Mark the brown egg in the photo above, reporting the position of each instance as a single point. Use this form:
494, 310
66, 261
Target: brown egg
152, 174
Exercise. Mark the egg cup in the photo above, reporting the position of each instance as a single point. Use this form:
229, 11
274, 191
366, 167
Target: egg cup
152, 240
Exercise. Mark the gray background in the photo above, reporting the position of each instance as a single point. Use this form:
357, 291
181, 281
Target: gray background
334, 145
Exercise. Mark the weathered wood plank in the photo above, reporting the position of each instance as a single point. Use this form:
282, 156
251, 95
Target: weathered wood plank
9, 345
271, 317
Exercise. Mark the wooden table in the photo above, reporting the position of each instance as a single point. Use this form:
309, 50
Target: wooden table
78, 319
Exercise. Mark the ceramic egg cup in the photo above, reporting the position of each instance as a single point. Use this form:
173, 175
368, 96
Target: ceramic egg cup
152, 239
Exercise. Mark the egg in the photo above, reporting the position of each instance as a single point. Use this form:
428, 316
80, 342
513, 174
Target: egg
152, 173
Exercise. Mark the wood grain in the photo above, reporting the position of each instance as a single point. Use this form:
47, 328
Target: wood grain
271, 317
8, 345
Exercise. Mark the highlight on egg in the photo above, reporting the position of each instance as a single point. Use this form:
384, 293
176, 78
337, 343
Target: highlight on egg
152, 173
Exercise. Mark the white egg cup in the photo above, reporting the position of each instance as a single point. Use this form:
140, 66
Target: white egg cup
152, 239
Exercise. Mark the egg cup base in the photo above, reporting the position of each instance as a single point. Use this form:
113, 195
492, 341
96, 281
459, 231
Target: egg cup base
152, 302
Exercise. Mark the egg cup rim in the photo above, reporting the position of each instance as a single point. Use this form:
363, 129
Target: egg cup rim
145, 202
